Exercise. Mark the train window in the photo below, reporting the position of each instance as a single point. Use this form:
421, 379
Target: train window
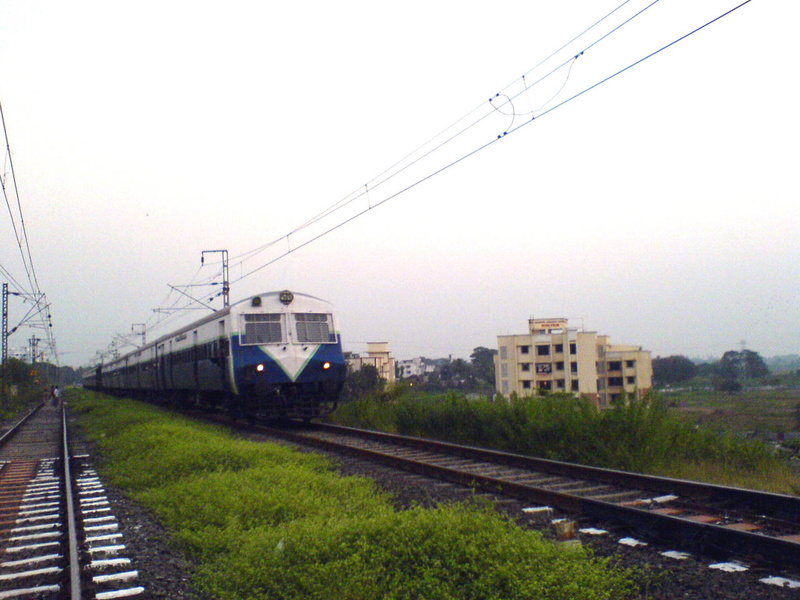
263, 329
314, 328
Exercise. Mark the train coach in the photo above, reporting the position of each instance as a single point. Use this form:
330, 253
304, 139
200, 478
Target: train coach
271, 356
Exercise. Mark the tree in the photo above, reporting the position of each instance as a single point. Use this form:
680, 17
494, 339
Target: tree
742, 365
730, 365
361, 383
483, 364
18, 371
754, 365
722, 384
673, 369
452, 375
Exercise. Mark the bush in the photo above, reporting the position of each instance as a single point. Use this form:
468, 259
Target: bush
639, 436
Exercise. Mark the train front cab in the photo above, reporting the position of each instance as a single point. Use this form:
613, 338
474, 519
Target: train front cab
287, 358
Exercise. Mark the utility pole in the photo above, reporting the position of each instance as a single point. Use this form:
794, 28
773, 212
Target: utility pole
142, 331
34, 341
4, 333
226, 288
5, 324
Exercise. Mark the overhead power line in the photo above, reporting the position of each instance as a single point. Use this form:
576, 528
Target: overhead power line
20, 232
506, 100
38, 315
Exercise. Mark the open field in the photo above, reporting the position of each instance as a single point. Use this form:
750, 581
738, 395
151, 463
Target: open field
757, 410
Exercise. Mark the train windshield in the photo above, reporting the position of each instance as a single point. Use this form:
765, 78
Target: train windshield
314, 328
263, 329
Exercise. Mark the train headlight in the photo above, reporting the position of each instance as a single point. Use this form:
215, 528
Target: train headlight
259, 368
326, 365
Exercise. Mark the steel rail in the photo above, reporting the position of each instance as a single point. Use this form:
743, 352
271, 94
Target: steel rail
778, 505
10, 433
74, 562
695, 535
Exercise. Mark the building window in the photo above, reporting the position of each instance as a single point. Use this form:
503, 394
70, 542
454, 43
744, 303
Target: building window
524, 349
504, 386
546, 385
560, 366
573, 367
503, 353
615, 365
573, 348
543, 350
525, 366
575, 387
544, 368
631, 380
504, 370
630, 364
558, 348
615, 382
560, 384
526, 385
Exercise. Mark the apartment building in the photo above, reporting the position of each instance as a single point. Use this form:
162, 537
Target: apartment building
378, 356
552, 357
415, 367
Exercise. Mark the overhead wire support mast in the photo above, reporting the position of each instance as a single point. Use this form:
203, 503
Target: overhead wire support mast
226, 286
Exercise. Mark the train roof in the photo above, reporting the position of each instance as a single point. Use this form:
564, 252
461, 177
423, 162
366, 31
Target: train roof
214, 316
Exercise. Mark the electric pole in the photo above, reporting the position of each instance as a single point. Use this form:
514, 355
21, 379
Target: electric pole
4, 364
5, 324
142, 331
226, 287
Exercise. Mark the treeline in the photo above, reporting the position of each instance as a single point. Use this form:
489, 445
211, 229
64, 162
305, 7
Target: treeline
728, 373
474, 376
21, 373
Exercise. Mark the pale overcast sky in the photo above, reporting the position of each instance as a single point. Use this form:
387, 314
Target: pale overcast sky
660, 208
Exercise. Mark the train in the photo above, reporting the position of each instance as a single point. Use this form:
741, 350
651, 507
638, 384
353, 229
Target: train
276, 355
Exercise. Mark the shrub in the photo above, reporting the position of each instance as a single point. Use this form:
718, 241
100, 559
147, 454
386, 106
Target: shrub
638, 436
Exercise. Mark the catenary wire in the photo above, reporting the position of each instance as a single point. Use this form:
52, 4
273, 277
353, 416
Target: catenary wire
492, 141
393, 169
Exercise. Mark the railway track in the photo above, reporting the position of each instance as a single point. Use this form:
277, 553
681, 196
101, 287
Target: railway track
706, 519
58, 538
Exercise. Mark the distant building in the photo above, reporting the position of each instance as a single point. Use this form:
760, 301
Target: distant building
555, 358
378, 356
415, 367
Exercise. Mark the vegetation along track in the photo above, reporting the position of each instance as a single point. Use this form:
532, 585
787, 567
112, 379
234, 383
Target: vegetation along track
708, 519
58, 538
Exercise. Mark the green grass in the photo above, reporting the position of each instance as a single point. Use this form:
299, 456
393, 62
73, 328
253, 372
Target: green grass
25, 398
750, 410
640, 437
262, 522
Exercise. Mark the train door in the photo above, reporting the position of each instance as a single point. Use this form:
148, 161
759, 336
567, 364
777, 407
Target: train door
195, 360
162, 367
223, 349
169, 366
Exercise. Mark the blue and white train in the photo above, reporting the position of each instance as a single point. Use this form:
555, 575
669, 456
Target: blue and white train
272, 356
